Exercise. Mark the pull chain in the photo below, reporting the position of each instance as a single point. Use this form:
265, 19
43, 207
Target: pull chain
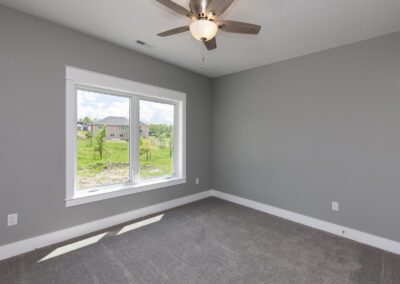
203, 55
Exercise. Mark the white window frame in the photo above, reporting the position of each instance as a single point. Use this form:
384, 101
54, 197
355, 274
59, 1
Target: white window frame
77, 79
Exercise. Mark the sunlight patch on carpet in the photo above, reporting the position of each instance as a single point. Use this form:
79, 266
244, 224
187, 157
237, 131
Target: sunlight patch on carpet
74, 246
140, 224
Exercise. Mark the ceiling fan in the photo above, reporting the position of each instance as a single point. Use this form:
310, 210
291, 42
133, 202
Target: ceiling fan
205, 21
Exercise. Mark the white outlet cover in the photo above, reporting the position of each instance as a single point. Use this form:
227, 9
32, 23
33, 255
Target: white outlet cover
197, 180
12, 219
335, 206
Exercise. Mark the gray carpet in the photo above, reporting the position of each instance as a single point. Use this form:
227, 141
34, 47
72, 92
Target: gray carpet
210, 241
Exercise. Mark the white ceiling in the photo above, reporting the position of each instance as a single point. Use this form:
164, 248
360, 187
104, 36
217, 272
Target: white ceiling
290, 28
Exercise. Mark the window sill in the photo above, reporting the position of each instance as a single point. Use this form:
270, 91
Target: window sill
88, 197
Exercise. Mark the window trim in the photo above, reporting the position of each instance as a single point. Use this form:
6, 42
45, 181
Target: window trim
77, 79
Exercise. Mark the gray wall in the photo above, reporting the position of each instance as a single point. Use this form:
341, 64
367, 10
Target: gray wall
32, 116
296, 134
301, 133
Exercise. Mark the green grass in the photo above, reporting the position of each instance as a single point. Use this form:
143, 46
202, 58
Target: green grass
160, 163
90, 164
117, 153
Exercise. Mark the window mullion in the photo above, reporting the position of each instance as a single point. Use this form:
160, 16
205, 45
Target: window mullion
134, 142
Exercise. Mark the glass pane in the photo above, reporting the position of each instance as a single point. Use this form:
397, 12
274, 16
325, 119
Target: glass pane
156, 139
102, 139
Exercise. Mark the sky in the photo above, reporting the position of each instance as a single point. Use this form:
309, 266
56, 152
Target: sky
97, 105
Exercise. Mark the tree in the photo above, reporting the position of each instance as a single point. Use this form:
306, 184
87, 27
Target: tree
89, 135
100, 142
170, 136
162, 138
146, 146
86, 119
158, 129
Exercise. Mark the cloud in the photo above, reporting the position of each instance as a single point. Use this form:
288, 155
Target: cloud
99, 106
91, 96
156, 113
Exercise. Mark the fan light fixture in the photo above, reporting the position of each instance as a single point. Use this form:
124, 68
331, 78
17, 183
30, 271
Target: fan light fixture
203, 30
205, 21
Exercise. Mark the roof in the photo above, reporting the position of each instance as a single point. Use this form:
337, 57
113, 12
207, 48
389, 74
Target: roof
115, 120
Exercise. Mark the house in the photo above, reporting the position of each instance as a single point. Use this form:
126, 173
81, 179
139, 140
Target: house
117, 128
274, 155
82, 126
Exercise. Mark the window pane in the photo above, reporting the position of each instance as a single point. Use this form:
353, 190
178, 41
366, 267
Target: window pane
156, 139
102, 139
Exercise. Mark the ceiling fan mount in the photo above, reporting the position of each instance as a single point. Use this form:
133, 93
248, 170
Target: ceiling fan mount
205, 24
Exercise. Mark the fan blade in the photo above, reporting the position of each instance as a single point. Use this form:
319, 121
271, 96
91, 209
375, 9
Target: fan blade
177, 8
198, 6
239, 27
218, 7
174, 31
211, 44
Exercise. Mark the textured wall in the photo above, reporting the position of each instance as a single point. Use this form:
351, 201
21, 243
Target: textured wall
301, 133
33, 54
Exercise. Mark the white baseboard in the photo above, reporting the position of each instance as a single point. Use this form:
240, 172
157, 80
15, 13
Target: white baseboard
358, 236
20, 247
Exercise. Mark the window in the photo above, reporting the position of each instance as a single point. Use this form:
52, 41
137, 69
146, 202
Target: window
101, 161
156, 151
135, 140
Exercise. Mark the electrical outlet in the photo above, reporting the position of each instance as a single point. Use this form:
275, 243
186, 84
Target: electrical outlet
197, 180
12, 219
335, 206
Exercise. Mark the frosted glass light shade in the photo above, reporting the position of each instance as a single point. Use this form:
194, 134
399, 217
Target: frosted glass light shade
203, 30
